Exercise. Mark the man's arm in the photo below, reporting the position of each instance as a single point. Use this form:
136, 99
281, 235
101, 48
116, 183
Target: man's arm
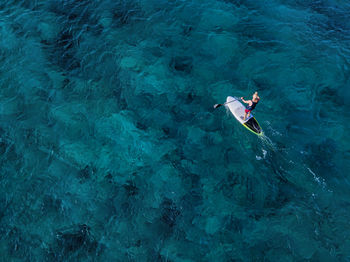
245, 101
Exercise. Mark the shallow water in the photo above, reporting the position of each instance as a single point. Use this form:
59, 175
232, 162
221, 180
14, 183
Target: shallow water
111, 149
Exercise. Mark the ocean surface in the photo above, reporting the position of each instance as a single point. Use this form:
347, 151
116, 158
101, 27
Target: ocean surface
111, 149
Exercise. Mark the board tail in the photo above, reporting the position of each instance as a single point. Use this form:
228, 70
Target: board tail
253, 126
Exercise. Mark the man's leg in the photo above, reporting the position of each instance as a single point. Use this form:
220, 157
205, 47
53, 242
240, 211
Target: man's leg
245, 115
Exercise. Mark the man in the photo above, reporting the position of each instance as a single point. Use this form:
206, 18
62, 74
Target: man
251, 104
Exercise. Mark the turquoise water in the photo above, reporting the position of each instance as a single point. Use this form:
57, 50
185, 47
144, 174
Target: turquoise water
111, 149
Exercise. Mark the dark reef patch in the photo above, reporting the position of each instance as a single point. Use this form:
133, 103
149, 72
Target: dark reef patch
169, 212
64, 51
130, 188
16, 244
125, 13
182, 64
87, 172
75, 241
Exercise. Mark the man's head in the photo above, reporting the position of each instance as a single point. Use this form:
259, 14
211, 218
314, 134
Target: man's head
255, 94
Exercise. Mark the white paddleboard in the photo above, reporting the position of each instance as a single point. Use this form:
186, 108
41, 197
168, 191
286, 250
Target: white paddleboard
237, 109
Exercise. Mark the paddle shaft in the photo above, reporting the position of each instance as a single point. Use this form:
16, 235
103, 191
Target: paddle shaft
218, 105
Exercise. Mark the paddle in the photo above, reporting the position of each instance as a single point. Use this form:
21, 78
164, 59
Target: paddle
218, 105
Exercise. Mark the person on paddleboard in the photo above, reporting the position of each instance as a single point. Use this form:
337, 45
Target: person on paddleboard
251, 104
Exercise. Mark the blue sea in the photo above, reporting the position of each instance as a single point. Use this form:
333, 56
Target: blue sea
111, 149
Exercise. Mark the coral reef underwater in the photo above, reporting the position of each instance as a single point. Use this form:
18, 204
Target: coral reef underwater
111, 150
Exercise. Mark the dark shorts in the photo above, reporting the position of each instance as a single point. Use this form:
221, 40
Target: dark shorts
247, 111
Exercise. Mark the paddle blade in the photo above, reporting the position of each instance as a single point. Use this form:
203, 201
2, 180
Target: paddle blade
217, 105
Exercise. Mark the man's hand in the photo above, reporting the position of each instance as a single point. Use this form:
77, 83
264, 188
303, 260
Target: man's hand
242, 98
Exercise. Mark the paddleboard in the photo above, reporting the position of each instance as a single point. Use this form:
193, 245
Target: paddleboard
237, 109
